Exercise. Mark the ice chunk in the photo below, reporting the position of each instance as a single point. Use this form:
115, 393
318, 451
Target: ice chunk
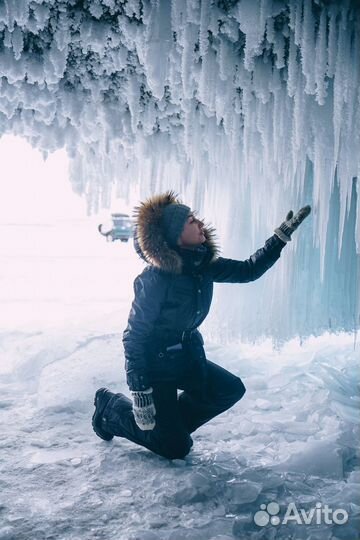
241, 492
265, 404
144, 535
320, 458
197, 487
354, 476
7, 533
241, 522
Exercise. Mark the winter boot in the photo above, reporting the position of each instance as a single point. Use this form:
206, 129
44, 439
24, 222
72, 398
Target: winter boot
102, 398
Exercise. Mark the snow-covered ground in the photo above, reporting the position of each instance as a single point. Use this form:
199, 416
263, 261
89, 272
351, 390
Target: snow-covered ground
293, 439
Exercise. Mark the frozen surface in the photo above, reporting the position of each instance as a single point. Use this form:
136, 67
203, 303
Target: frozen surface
254, 104
293, 438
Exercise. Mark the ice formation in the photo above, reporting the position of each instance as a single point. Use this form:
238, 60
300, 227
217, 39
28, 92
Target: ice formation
247, 108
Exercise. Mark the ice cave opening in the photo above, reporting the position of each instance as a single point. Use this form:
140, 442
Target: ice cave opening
34, 189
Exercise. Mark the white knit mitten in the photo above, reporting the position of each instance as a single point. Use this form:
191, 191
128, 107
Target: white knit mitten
144, 409
291, 223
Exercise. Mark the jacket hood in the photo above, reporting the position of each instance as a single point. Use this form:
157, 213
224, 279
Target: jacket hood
149, 238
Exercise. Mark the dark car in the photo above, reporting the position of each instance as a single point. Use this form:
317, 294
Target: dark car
120, 228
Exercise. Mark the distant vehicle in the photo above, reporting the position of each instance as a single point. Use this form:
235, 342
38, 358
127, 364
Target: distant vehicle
119, 228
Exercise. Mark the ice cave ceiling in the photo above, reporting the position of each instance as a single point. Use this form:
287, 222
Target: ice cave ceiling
253, 102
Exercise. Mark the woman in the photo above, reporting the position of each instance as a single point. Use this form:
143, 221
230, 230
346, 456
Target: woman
163, 347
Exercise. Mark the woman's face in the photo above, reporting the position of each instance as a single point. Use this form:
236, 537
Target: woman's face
192, 234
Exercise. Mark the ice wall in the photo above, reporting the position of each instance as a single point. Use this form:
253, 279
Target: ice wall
247, 108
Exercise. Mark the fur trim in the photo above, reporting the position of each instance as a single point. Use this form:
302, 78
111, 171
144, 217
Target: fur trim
149, 238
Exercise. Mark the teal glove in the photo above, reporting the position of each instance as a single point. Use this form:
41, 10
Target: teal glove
291, 223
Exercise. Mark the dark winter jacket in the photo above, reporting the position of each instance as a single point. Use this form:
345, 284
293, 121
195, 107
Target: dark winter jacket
173, 294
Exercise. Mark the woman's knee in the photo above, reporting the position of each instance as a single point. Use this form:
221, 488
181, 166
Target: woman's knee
239, 389
176, 447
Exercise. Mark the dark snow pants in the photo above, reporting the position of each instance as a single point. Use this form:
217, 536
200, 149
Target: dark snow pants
176, 415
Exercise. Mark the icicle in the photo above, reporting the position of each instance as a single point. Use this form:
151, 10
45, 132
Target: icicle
307, 47
357, 226
292, 66
7, 38
133, 8
350, 136
187, 60
17, 39
178, 11
207, 81
193, 11
58, 59
159, 42
96, 9
42, 14
296, 11
320, 59
62, 33
262, 79
332, 42
323, 175
133, 100
279, 49
225, 59
248, 16
204, 25
15, 12
339, 83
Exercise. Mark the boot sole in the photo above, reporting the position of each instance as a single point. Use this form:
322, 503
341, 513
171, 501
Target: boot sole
97, 416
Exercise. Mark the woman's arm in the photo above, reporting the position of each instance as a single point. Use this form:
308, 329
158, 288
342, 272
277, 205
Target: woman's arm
150, 289
232, 271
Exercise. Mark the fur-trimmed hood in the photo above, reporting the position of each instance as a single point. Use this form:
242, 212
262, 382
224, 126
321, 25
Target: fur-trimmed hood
149, 238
